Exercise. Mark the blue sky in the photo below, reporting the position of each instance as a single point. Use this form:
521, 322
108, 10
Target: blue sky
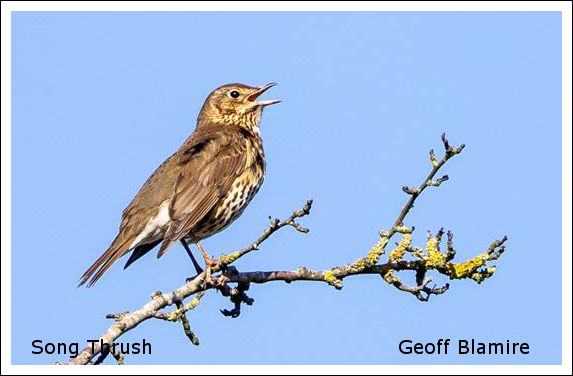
100, 99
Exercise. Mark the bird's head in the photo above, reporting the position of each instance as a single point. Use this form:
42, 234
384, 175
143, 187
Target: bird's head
236, 104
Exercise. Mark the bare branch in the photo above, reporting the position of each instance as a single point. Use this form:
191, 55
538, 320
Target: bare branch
274, 226
180, 314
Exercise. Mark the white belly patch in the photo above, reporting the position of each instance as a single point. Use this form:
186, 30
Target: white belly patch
155, 225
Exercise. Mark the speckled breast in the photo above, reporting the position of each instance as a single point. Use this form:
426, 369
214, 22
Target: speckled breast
232, 205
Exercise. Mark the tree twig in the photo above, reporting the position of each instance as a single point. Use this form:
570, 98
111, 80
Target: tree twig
403, 257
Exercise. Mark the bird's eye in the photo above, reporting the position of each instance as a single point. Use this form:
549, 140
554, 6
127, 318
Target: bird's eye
234, 94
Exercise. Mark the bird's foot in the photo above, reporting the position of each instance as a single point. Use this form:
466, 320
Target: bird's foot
209, 280
218, 281
210, 263
209, 260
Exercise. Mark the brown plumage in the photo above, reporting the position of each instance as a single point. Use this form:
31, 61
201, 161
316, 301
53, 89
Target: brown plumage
200, 189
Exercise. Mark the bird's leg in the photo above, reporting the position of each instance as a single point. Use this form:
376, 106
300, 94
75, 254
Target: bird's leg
198, 268
209, 263
208, 259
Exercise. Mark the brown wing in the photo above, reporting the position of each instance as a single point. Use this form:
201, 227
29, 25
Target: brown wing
157, 189
208, 156
204, 181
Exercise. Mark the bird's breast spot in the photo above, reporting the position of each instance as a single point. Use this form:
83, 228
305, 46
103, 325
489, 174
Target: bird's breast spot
155, 225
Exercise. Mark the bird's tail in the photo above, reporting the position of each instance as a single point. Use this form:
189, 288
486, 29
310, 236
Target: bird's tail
117, 249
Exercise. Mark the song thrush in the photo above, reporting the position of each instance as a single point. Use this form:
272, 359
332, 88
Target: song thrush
200, 189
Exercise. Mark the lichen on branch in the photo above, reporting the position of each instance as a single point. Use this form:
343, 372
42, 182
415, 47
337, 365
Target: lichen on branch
402, 257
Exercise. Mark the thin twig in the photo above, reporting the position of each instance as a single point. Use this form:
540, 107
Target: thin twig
428, 182
425, 260
274, 225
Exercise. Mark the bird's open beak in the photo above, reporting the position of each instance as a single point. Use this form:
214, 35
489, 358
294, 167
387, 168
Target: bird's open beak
259, 92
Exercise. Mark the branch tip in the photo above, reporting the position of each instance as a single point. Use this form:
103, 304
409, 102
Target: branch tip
445, 142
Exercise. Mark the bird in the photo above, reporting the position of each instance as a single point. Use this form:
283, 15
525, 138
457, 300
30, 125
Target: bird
202, 187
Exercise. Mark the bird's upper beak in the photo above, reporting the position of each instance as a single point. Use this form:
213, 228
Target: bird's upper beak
259, 92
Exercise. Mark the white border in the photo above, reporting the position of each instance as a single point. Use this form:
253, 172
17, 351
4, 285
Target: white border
294, 370
287, 5
566, 191
6, 178
8, 7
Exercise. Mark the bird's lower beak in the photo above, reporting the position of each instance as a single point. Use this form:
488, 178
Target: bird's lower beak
259, 92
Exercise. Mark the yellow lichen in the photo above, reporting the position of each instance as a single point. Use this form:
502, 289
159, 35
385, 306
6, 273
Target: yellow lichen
435, 257
390, 277
229, 259
179, 312
174, 315
331, 279
193, 304
479, 277
397, 254
467, 268
359, 265
376, 252
372, 257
